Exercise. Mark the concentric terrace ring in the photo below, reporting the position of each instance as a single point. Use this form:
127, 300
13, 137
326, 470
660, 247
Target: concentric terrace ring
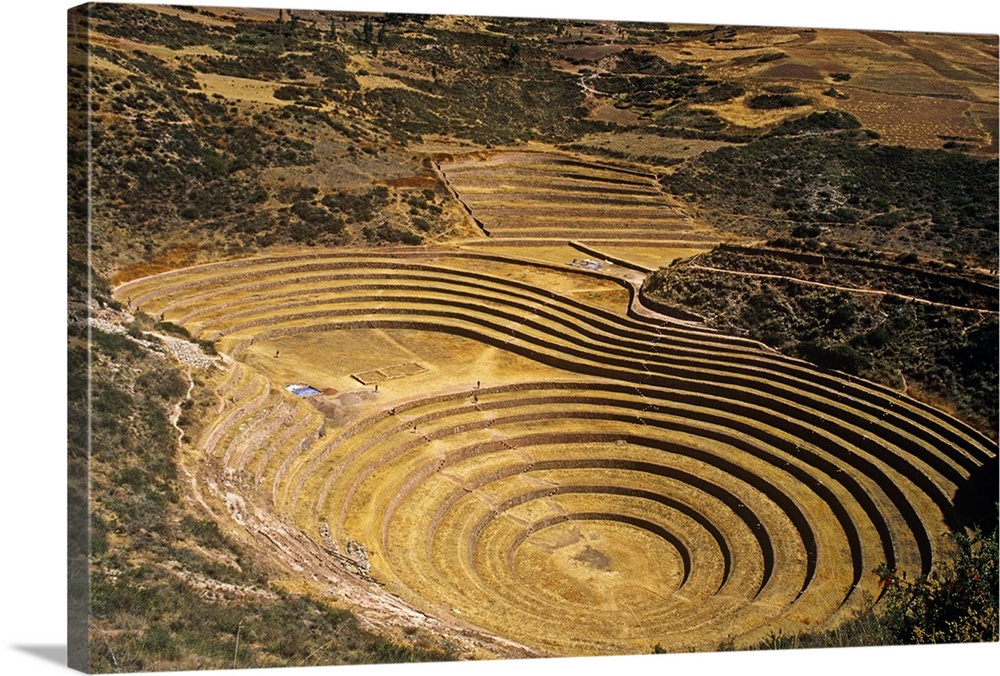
665, 484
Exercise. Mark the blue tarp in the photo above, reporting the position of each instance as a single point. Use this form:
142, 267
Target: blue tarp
304, 391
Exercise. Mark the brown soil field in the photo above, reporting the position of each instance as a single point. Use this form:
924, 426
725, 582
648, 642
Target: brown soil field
926, 123
936, 79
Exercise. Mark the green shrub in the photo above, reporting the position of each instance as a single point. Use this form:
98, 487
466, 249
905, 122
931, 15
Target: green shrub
775, 101
166, 384
207, 346
772, 56
806, 230
719, 91
813, 122
387, 234
955, 603
839, 356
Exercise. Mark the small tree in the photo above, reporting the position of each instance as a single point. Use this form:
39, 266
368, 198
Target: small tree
513, 53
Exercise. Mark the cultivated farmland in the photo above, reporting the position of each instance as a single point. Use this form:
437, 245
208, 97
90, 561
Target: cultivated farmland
574, 479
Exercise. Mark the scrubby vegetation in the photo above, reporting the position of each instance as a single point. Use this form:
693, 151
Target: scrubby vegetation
178, 164
489, 88
644, 79
911, 334
181, 163
942, 203
816, 123
773, 101
143, 25
956, 603
819, 185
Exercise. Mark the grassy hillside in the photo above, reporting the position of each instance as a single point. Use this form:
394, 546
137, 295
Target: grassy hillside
215, 131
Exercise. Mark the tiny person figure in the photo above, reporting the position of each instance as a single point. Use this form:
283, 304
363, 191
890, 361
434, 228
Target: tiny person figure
276, 353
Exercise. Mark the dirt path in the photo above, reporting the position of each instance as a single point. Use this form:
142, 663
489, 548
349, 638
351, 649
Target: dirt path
175, 411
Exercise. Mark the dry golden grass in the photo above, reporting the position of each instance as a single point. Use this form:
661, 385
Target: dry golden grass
179, 256
326, 360
195, 17
646, 146
370, 75
736, 113
549, 196
915, 89
239, 88
159, 51
606, 111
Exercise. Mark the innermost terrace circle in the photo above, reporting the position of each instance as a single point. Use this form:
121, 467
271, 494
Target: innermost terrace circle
604, 564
